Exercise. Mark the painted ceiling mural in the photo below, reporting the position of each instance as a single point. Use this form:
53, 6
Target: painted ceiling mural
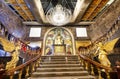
58, 37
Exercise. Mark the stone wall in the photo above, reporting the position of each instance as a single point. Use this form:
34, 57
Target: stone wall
11, 21
105, 21
117, 33
44, 29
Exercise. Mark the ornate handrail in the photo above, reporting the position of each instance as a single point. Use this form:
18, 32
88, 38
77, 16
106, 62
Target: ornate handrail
32, 63
89, 65
94, 62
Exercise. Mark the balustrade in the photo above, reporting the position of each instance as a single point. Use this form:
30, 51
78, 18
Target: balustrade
33, 63
90, 65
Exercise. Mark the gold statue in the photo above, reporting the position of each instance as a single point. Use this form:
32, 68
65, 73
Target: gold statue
103, 49
14, 60
103, 58
9, 47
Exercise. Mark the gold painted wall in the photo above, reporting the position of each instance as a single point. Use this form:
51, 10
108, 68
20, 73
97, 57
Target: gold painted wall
82, 43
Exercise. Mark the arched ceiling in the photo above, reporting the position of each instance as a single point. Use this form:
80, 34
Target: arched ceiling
33, 11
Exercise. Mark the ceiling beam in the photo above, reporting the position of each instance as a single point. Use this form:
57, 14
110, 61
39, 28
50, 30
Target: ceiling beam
40, 10
37, 10
98, 9
37, 23
83, 10
32, 23
85, 23
18, 9
95, 4
80, 8
22, 7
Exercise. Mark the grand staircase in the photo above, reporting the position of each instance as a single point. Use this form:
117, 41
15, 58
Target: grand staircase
60, 67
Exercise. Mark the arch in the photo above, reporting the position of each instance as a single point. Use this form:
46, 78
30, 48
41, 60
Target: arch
45, 36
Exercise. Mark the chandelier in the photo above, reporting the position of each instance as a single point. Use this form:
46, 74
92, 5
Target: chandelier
59, 15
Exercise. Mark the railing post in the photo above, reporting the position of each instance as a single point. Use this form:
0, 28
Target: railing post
92, 71
39, 60
79, 60
37, 63
86, 65
99, 73
27, 71
20, 74
82, 62
11, 76
66, 59
33, 69
107, 73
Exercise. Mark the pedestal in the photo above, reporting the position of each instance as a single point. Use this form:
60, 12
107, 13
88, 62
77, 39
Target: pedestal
59, 49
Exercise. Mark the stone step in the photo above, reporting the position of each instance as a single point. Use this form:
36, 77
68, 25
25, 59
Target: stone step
59, 69
68, 77
56, 67
59, 74
59, 59
60, 56
59, 65
60, 62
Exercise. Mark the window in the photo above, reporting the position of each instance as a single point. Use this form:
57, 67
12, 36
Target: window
35, 32
81, 32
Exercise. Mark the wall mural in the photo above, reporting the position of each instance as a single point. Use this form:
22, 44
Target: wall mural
58, 42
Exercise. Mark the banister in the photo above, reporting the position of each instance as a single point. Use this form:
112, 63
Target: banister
10, 72
94, 62
89, 64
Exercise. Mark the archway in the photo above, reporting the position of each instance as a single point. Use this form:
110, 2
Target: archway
53, 47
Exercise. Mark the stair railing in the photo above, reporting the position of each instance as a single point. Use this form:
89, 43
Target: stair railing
29, 67
90, 65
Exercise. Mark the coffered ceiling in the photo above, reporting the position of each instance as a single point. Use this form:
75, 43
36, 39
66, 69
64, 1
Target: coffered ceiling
21, 9
33, 11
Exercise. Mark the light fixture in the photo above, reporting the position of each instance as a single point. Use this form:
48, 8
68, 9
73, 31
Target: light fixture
58, 15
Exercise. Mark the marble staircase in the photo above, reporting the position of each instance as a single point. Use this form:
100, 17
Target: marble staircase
60, 67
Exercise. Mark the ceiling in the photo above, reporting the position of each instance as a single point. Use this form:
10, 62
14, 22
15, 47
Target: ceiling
33, 11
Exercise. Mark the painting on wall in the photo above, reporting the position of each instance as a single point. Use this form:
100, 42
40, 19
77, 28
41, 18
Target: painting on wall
58, 37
